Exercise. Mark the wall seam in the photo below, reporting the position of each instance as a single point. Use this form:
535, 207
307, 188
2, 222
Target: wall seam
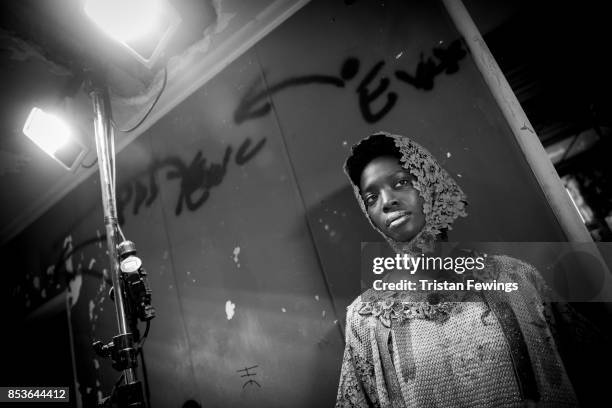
299, 193
174, 271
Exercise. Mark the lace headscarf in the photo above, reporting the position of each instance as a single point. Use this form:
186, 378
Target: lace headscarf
444, 201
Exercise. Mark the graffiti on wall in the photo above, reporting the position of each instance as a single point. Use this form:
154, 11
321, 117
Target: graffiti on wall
246, 374
373, 89
196, 179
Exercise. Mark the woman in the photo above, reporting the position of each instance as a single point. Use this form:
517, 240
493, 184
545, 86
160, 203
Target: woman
442, 349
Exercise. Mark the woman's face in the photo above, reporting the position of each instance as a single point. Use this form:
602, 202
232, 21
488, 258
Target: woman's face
393, 204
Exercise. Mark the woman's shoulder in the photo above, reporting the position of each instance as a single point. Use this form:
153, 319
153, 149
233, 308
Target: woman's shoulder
352, 310
514, 266
356, 323
520, 271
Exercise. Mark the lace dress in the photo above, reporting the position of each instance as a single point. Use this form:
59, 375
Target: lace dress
484, 349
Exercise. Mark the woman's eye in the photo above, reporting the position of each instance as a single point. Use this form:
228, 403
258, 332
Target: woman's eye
404, 182
369, 200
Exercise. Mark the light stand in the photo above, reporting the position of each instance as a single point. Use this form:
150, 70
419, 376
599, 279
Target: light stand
130, 290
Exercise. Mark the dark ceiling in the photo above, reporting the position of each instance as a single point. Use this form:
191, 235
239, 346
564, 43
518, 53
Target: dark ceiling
554, 56
63, 35
46, 50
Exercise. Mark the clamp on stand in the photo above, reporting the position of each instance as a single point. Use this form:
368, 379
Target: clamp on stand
123, 349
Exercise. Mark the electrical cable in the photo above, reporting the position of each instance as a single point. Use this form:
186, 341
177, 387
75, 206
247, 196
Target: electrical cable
141, 121
144, 336
121, 232
113, 172
89, 166
111, 153
146, 115
116, 385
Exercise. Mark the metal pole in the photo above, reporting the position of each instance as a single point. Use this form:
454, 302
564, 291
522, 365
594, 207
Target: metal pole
536, 156
103, 134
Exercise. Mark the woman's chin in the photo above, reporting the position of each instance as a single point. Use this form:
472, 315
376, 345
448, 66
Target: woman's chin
403, 237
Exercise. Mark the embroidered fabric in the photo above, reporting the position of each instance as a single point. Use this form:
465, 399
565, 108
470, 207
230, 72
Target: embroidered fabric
358, 388
467, 358
432, 305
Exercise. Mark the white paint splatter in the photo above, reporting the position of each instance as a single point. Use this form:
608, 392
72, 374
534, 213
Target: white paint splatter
332, 233
87, 390
335, 322
43, 293
188, 272
344, 143
92, 305
99, 235
283, 310
96, 363
91, 263
317, 298
448, 155
236, 252
101, 289
36, 282
323, 314
74, 289
459, 175
68, 248
51, 270
398, 56
229, 309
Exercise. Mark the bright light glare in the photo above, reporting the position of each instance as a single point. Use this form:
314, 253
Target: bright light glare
125, 20
48, 131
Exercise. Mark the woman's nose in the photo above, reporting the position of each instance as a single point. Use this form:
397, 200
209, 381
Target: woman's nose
389, 201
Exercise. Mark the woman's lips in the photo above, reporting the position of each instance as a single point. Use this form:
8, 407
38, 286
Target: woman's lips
397, 219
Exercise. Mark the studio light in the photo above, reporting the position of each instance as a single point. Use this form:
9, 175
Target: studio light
142, 26
125, 20
54, 136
